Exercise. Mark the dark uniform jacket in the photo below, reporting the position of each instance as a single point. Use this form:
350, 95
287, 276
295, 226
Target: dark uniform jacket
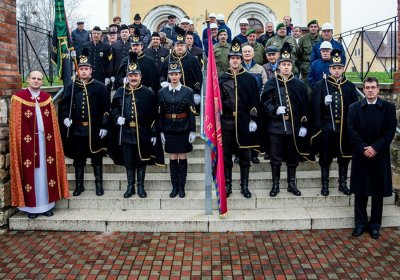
119, 50
141, 118
100, 57
294, 96
191, 71
240, 103
371, 125
150, 76
158, 54
79, 38
176, 109
197, 52
343, 93
89, 114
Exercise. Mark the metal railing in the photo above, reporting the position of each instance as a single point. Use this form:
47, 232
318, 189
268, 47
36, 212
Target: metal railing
364, 38
34, 50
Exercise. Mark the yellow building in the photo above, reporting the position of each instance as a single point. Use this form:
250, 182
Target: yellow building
154, 13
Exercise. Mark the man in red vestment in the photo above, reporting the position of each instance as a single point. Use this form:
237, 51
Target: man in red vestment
38, 174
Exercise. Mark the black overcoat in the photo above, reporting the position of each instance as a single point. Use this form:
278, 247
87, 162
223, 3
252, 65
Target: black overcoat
146, 125
371, 125
91, 103
344, 93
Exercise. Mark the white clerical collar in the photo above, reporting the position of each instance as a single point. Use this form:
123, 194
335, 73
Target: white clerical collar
373, 102
178, 87
34, 93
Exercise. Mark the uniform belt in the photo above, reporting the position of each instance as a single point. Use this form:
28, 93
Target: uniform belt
81, 123
338, 121
286, 118
176, 116
132, 124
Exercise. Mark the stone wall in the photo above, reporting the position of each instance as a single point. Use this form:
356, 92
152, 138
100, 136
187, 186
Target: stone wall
10, 82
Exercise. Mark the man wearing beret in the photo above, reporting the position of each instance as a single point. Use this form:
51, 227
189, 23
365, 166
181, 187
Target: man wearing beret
79, 35
221, 50
305, 46
279, 39
257, 47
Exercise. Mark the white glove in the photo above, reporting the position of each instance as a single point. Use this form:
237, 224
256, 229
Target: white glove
164, 84
162, 137
112, 79
126, 80
107, 81
252, 126
192, 136
67, 122
328, 99
281, 110
302, 131
153, 140
103, 133
197, 99
121, 121
73, 54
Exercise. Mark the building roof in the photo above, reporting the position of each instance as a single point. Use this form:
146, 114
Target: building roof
375, 38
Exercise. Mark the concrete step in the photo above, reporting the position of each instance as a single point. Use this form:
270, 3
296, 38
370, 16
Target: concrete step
195, 200
195, 164
302, 218
195, 181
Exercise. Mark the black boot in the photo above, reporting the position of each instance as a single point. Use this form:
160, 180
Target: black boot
343, 179
325, 181
291, 178
130, 189
141, 173
254, 157
244, 181
98, 176
182, 176
174, 172
228, 181
79, 173
276, 174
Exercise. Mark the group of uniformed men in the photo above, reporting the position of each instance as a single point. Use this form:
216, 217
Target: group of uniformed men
260, 101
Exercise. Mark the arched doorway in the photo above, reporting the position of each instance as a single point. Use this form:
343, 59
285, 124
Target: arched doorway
158, 16
256, 12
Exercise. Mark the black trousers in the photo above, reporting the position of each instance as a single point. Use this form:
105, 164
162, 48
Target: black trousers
282, 148
131, 156
231, 146
81, 144
330, 148
360, 212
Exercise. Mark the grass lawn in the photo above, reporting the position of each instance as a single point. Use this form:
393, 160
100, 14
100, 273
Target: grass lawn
382, 77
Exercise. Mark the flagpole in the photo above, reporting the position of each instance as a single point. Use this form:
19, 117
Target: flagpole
208, 180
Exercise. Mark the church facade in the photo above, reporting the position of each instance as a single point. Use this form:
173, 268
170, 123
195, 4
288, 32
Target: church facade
154, 13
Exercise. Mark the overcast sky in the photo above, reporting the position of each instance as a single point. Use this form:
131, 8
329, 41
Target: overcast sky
355, 13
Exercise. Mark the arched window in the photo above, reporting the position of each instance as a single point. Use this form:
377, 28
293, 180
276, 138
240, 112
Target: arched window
256, 25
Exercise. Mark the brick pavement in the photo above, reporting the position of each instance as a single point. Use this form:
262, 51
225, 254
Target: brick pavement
317, 254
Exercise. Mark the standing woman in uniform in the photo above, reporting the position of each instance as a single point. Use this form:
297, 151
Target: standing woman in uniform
177, 126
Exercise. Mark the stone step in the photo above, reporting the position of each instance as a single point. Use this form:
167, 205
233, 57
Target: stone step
195, 181
195, 164
195, 200
302, 218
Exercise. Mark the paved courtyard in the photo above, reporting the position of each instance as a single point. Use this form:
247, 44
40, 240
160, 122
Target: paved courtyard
317, 254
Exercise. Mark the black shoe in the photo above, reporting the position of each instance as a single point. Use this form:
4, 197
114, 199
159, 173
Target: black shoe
255, 160
266, 157
357, 231
374, 233
236, 160
48, 213
32, 215
344, 189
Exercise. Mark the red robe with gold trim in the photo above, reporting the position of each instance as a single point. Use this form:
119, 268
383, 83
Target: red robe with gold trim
24, 149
